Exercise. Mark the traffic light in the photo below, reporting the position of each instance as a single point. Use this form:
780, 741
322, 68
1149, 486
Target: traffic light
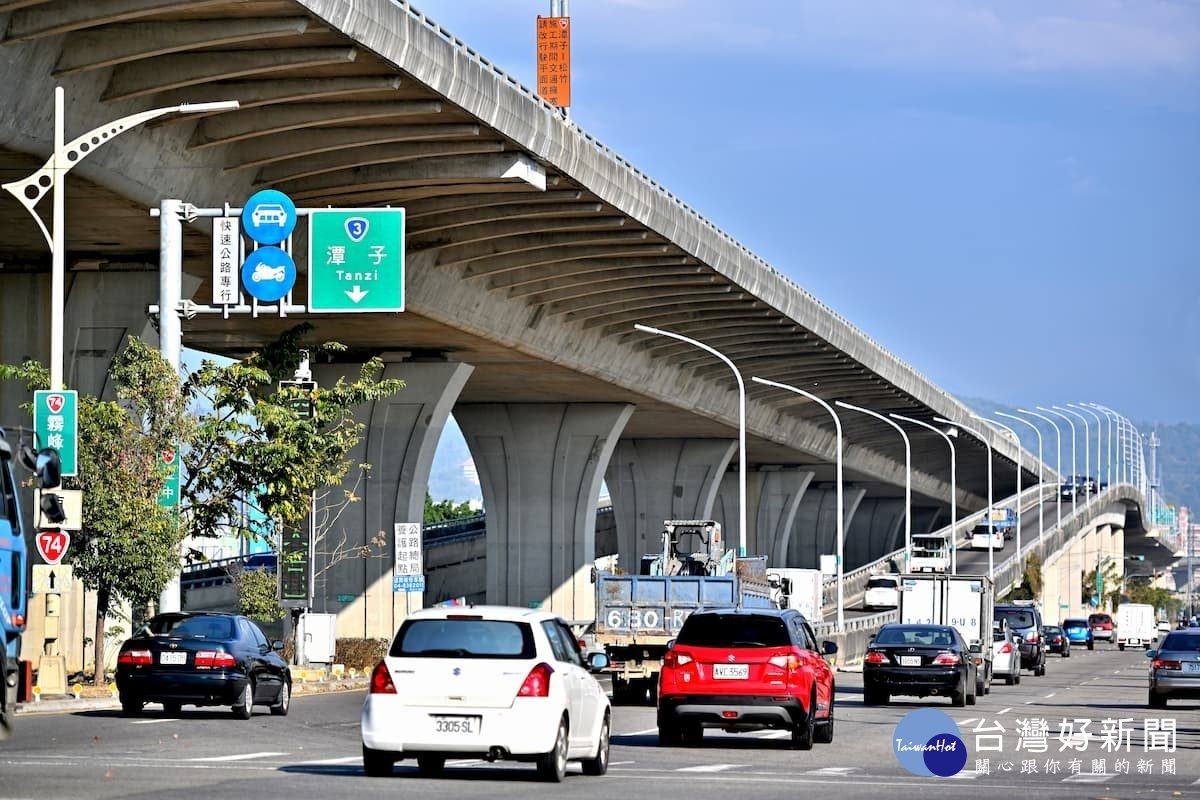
52, 508
45, 463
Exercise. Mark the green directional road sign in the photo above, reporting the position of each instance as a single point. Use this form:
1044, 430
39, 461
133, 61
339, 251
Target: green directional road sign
56, 423
356, 259
169, 496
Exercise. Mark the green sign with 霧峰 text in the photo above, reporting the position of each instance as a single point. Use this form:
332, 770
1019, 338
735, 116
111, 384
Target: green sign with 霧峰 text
356, 259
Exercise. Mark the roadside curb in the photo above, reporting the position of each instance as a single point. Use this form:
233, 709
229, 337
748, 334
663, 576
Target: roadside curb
65, 703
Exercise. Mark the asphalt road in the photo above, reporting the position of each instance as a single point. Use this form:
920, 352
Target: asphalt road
314, 752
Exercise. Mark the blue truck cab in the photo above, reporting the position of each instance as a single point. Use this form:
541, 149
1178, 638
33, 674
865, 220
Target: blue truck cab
13, 591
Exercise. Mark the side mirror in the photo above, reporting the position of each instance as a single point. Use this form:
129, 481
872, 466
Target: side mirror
1151, 653
670, 643
277, 644
828, 648
597, 661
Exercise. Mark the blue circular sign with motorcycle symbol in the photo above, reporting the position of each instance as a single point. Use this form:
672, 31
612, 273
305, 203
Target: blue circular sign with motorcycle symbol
268, 274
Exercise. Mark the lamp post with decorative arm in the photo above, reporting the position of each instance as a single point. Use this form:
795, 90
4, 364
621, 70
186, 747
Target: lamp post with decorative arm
841, 517
1071, 422
1017, 439
907, 476
979, 435
1041, 478
1087, 448
953, 488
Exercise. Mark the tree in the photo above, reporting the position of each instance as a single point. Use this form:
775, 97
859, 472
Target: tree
128, 547
446, 510
1111, 586
1031, 580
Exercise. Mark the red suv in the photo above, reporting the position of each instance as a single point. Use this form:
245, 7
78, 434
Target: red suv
743, 670
1102, 627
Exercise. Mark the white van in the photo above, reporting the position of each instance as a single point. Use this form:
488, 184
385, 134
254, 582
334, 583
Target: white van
985, 538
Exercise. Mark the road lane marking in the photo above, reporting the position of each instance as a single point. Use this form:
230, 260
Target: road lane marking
834, 772
238, 757
342, 760
1004, 710
151, 721
1050, 695
710, 768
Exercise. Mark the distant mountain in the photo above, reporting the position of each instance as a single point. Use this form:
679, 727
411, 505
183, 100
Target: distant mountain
1178, 451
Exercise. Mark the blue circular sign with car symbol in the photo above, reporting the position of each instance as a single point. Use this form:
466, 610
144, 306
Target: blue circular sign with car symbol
268, 274
269, 217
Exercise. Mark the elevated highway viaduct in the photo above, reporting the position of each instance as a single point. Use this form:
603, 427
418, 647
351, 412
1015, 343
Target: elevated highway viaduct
532, 250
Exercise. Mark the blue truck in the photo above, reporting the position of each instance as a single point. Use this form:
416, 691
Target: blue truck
638, 615
13, 592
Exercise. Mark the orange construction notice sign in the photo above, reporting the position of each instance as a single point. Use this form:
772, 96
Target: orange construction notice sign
554, 60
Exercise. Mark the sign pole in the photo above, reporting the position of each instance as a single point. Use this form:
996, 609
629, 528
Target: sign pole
170, 330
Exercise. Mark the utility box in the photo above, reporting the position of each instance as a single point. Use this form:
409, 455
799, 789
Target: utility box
316, 638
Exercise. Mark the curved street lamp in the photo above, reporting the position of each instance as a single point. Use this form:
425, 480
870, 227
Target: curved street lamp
1087, 448
953, 488
1070, 422
741, 424
52, 176
1041, 478
841, 517
1057, 459
1096, 416
1109, 414
1017, 438
979, 435
907, 476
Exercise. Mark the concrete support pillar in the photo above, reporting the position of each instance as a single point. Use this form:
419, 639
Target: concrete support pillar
877, 529
816, 527
772, 495
651, 480
399, 443
540, 467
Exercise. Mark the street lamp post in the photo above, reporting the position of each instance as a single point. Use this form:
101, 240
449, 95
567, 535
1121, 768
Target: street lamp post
1018, 441
741, 424
52, 176
1041, 478
1094, 415
979, 435
1087, 447
953, 488
1109, 414
1071, 422
841, 517
1057, 459
907, 476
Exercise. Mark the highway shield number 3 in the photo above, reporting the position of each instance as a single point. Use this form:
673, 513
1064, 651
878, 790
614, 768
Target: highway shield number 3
52, 545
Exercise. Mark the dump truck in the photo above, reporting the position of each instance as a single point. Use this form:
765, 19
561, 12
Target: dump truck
961, 601
638, 615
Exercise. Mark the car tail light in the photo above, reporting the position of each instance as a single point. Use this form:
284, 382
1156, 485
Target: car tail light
875, 657
673, 659
537, 682
945, 659
214, 658
1005, 648
135, 658
788, 661
1032, 636
1160, 663
381, 680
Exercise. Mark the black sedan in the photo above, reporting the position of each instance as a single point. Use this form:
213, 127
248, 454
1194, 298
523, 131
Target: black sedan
1056, 640
203, 660
919, 660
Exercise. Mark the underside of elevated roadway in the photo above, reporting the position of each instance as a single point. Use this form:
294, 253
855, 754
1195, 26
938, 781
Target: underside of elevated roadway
531, 252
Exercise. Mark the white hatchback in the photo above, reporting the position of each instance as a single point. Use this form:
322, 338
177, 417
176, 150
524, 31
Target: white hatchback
488, 682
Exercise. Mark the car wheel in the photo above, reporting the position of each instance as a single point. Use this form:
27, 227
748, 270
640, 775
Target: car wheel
552, 766
430, 766
131, 706
1017, 678
284, 701
598, 764
691, 734
1157, 700
245, 704
972, 696
1009, 679
874, 697
1091, 646
172, 709
959, 697
377, 763
804, 732
824, 732
1121, 647
1066, 653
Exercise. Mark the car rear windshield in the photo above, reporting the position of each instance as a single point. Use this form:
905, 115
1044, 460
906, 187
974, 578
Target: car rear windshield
472, 637
882, 583
733, 630
1075, 623
203, 628
1181, 641
1018, 619
901, 635
1099, 619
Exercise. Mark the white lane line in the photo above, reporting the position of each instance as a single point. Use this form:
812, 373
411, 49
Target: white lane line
1029, 702
1051, 694
639, 733
240, 756
710, 768
1090, 777
155, 721
1004, 710
342, 760
833, 772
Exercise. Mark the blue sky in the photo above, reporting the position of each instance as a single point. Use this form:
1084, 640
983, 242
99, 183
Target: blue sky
1004, 194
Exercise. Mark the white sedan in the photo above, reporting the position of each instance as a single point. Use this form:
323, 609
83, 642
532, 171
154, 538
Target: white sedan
488, 682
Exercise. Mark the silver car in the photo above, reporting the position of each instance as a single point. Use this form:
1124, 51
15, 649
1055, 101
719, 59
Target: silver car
1175, 667
1006, 654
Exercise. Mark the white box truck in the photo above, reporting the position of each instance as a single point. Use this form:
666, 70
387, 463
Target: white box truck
1136, 625
801, 589
961, 601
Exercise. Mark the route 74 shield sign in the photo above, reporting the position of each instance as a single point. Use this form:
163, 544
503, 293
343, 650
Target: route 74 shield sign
52, 545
